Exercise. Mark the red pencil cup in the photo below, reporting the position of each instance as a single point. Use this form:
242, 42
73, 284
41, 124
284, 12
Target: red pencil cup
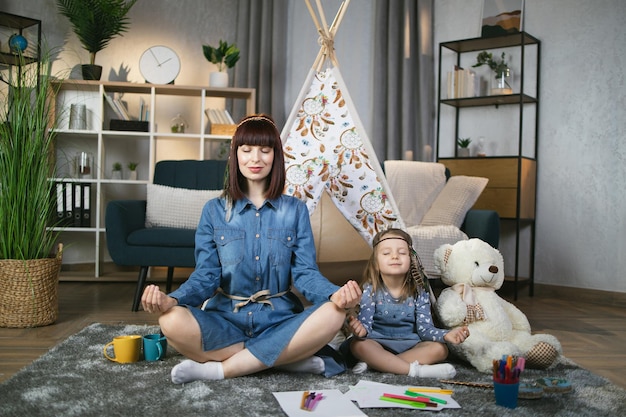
506, 394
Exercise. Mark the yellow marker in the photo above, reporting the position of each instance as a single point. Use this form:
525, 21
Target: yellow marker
433, 390
304, 395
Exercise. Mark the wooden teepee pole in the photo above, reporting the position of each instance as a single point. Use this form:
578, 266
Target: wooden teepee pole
327, 33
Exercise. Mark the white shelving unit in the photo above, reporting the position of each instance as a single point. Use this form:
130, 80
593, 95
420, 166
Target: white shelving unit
87, 245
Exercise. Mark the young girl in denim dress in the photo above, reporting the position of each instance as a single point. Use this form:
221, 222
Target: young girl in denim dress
252, 245
394, 331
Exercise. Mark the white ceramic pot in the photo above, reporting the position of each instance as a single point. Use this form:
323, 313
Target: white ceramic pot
218, 79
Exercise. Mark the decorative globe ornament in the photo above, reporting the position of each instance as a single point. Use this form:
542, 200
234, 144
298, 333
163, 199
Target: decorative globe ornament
17, 43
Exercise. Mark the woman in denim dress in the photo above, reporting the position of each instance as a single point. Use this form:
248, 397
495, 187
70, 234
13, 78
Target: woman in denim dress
394, 331
252, 245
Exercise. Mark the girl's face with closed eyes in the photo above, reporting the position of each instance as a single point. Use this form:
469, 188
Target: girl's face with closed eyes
393, 257
255, 162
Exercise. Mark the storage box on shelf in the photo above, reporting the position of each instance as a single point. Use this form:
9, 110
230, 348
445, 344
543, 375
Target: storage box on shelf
508, 124
105, 144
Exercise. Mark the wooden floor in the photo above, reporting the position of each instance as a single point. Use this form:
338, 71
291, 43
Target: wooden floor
591, 332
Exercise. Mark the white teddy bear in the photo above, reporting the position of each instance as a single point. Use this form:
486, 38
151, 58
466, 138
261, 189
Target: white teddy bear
474, 271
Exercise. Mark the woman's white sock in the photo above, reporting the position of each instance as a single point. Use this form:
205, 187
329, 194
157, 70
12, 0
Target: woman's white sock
359, 368
188, 371
440, 370
313, 365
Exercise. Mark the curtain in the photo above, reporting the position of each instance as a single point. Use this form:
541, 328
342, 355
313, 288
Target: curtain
404, 80
262, 34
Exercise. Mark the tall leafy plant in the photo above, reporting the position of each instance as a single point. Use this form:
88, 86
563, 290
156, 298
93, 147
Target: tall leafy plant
96, 22
26, 148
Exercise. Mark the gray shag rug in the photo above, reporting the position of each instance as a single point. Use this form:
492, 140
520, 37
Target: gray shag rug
74, 379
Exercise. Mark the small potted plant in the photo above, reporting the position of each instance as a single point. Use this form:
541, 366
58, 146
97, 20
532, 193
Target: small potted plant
116, 174
96, 22
224, 56
463, 144
132, 168
501, 72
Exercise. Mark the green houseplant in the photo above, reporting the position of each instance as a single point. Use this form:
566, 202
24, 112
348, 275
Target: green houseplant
132, 167
28, 270
116, 173
502, 72
96, 23
463, 144
224, 56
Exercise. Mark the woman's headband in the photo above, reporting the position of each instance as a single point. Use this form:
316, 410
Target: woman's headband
256, 118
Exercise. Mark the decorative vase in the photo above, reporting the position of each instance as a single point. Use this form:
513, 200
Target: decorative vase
218, 79
178, 124
83, 165
116, 175
132, 175
91, 72
463, 152
501, 82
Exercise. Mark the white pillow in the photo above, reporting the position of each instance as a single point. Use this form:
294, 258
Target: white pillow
457, 197
426, 239
176, 207
414, 186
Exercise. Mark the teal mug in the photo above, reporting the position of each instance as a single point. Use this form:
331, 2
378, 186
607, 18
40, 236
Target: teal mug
154, 347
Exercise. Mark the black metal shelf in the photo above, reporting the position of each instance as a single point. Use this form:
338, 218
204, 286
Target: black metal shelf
521, 99
489, 100
15, 60
479, 44
19, 24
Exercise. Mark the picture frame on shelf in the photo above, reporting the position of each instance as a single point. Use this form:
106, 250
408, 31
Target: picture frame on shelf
501, 17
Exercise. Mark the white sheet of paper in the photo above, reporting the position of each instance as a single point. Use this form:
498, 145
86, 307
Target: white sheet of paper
332, 404
367, 394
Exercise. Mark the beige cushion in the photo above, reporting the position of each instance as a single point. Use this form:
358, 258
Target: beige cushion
414, 186
457, 197
176, 207
428, 238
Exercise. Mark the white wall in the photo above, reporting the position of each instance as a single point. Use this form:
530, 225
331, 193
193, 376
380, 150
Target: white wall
184, 27
581, 229
581, 200
192, 23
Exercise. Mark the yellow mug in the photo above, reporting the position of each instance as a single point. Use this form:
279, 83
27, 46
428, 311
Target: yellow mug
127, 349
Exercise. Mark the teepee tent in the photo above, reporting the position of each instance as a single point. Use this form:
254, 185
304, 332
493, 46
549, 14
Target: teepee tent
327, 149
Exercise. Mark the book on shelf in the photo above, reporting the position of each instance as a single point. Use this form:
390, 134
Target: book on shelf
69, 201
221, 122
144, 110
73, 202
117, 106
219, 116
86, 206
122, 108
112, 105
77, 204
462, 83
59, 190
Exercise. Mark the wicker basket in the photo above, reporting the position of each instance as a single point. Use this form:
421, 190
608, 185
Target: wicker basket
29, 291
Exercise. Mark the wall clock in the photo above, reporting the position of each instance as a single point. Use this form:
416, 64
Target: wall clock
159, 65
